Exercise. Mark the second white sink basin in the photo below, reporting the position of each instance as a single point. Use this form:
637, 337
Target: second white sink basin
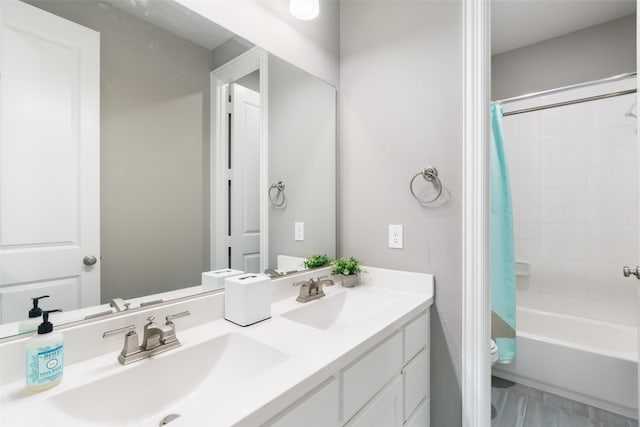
339, 311
155, 387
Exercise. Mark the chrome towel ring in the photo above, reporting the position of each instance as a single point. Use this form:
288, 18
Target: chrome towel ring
279, 195
429, 174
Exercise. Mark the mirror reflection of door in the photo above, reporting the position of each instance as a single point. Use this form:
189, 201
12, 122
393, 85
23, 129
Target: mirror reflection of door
49, 161
244, 179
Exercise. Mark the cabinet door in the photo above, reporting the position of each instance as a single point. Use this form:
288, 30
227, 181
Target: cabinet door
317, 409
385, 410
416, 382
364, 378
421, 417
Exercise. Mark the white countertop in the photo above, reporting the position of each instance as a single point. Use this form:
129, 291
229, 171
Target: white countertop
312, 356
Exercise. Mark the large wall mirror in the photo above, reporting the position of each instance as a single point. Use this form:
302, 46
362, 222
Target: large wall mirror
112, 192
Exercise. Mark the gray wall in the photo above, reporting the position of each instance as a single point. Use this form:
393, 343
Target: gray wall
154, 152
302, 154
400, 110
593, 53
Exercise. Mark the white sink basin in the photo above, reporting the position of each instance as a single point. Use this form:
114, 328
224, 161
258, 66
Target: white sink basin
154, 388
339, 311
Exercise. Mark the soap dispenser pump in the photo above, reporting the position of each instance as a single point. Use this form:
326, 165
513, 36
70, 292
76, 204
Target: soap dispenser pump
31, 324
45, 356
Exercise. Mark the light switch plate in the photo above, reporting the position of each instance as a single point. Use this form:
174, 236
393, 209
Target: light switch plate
299, 231
395, 236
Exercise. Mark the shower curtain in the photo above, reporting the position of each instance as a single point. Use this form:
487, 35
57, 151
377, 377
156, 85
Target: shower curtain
503, 264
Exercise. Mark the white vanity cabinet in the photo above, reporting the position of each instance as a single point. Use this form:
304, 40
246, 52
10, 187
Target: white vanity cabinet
388, 386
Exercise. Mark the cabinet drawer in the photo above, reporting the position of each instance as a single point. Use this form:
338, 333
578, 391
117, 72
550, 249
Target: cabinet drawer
385, 410
421, 418
416, 336
362, 380
415, 377
316, 409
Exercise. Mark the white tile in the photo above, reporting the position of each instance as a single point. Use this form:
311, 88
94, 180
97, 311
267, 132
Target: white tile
529, 180
626, 155
574, 214
529, 231
599, 195
600, 233
625, 215
601, 214
626, 314
625, 234
601, 252
574, 140
574, 232
529, 248
551, 232
530, 197
551, 145
574, 159
574, 196
625, 175
530, 214
574, 251
551, 214
600, 158
551, 303
600, 311
623, 195
550, 249
551, 196
625, 252
551, 179
528, 299
550, 161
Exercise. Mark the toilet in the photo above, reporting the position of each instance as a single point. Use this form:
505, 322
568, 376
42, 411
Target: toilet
494, 352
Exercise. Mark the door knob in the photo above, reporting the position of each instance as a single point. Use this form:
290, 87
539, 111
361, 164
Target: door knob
628, 272
89, 260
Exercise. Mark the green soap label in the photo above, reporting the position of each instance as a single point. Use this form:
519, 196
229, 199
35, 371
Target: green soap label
44, 364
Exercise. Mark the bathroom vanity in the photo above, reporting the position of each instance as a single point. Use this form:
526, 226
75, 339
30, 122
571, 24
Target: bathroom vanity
356, 357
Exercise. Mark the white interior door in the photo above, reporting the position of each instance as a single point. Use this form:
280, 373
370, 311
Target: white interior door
244, 188
49, 161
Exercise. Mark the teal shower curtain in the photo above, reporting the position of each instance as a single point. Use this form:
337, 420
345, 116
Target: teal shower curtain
503, 263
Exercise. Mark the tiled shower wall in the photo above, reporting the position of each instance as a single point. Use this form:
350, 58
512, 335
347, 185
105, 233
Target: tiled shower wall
574, 177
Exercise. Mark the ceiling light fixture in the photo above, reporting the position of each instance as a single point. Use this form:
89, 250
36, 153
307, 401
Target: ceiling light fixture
304, 9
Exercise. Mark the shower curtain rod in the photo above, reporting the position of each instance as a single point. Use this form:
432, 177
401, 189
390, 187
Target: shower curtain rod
565, 88
574, 101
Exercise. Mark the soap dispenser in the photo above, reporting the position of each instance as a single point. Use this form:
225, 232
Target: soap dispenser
45, 356
35, 314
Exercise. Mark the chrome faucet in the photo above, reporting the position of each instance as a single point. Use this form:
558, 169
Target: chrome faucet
312, 289
119, 305
156, 339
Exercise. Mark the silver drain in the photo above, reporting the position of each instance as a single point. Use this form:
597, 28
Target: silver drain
166, 420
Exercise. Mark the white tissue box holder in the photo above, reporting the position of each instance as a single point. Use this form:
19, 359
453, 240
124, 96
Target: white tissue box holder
212, 280
247, 299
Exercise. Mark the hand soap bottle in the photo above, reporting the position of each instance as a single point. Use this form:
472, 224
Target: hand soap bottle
35, 314
45, 356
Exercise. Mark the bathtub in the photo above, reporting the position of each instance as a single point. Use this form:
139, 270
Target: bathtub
581, 359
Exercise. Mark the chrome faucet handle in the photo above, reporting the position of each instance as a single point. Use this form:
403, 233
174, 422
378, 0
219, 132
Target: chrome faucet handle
170, 318
126, 329
131, 345
169, 329
302, 282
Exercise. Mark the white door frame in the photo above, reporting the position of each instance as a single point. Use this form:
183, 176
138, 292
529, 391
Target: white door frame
248, 62
476, 301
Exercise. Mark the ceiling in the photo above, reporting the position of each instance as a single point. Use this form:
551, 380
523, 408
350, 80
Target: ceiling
518, 23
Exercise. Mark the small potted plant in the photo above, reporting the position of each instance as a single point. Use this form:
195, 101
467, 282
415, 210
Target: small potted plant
349, 269
317, 261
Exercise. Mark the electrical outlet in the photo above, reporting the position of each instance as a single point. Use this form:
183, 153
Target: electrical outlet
395, 236
299, 231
